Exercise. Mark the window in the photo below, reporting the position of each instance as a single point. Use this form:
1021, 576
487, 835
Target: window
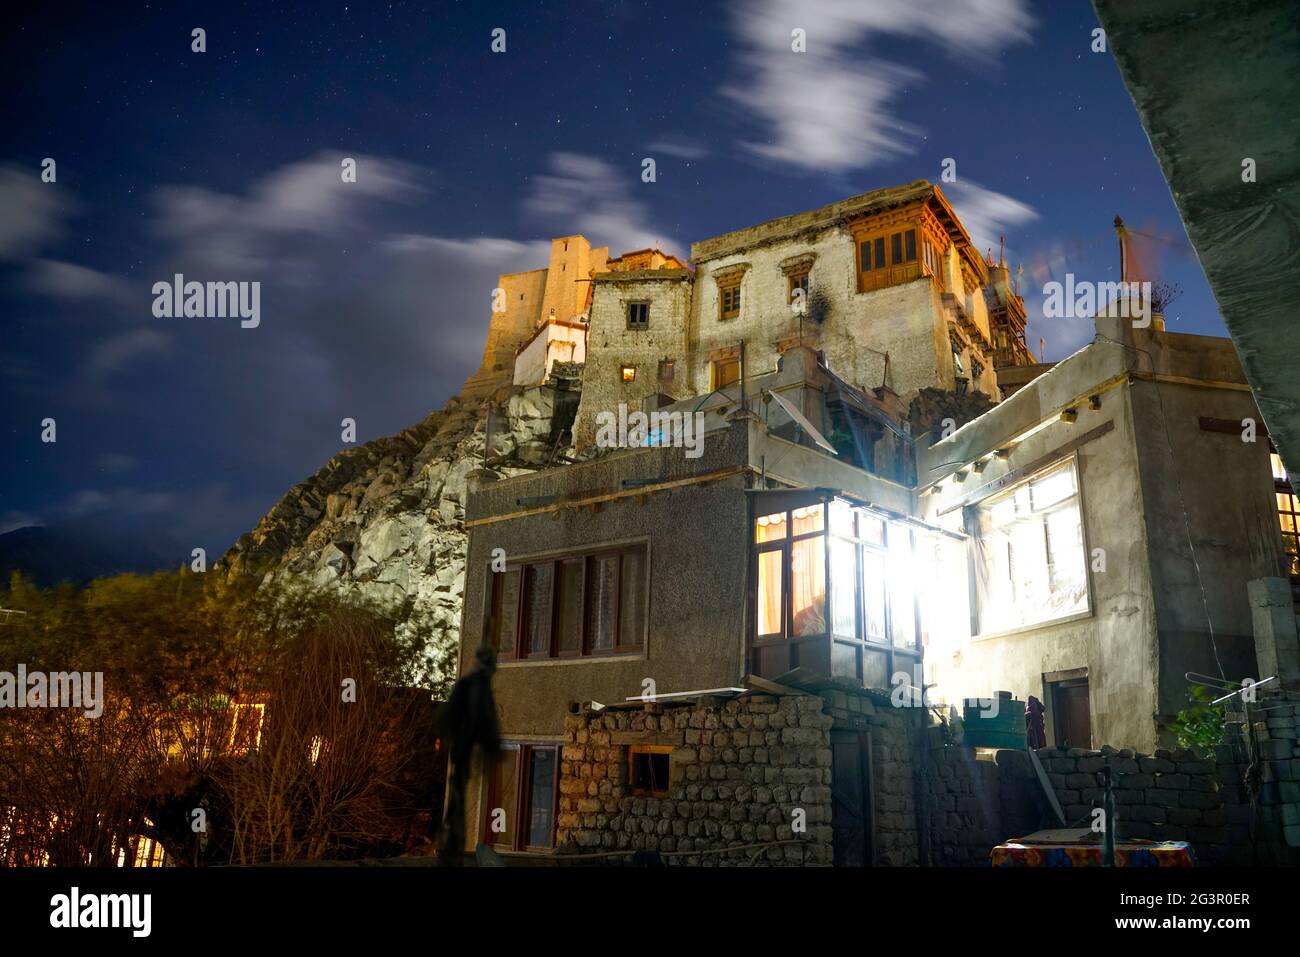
725, 372
1030, 564
1288, 512
879, 259
667, 371
627, 373
729, 298
867, 561
569, 607
647, 767
797, 280
520, 813
638, 315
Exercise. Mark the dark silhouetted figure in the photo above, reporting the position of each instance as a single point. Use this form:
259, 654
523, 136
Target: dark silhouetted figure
468, 720
1035, 728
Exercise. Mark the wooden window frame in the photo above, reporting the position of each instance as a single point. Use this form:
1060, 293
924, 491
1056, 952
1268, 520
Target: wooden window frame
798, 279
620, 646
643, 324
520, 752
894, 654
1290, 537
729, 308
636, 749
715, 367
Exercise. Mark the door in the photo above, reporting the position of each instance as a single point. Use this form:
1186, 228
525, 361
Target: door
852, 799
1070, 713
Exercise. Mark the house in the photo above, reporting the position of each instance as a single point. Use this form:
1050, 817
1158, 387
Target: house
726, 626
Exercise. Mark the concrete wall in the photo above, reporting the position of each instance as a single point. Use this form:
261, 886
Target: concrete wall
1218, 486
1115, 639
696, 538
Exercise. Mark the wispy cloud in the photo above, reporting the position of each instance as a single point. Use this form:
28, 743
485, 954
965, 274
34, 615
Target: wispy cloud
69, 281
987, 214
678, 147
261, 231
830, 109
583, 194
33, 212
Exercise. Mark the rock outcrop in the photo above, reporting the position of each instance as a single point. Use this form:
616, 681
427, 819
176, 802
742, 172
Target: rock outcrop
385, 519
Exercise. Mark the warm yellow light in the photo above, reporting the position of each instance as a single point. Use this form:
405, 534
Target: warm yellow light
629, 373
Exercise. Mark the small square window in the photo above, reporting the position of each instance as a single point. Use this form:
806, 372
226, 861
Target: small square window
648, 770
638, 315
628, 373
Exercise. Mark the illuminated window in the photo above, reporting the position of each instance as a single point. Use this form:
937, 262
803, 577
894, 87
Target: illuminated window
1288, 513
568, 607
1030, 563
628, 373
521, 798
870, 621
648, 770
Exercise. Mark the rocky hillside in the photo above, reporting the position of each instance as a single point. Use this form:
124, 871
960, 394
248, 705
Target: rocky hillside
385, 519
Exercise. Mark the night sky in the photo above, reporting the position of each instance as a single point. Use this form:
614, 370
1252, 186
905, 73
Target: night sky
224, 166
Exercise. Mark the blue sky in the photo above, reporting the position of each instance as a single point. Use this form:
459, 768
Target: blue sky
375, 295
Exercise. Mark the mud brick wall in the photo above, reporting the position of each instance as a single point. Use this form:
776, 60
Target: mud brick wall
738, 770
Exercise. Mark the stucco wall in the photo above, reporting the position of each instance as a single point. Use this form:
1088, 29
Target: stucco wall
1115, 639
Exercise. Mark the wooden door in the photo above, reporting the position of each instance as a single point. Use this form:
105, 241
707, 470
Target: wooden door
852, 804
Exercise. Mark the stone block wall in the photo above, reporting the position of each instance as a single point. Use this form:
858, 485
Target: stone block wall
739, 769
1269, 832
894, 733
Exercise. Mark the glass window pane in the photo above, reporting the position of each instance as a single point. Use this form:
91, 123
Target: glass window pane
880, 252
569, 639
769, 528
505, 795
844, 578
902, 609
541, 793
896, 247
769, 592
506, 611
808, 519
808, 586
538, 582
632, 604
842, 518
873, 594
602, 598
865, 251
910, 239
1052, 488
871, 528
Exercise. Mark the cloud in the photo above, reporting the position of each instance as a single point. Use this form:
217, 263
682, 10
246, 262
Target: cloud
64, 280
987, 214
33, 213
118, 351
679, 147
261, 232
582, 194
829, 109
